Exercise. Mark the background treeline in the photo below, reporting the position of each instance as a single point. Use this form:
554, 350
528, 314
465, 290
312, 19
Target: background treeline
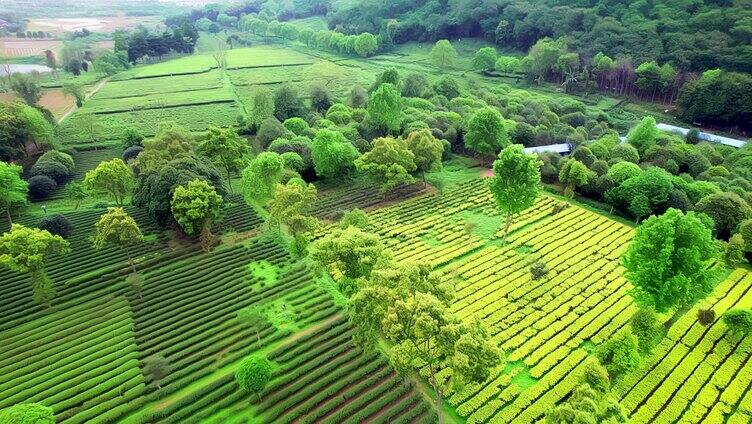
691, 35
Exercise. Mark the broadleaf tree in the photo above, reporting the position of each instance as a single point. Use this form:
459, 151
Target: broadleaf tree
226, 149
428, 151
13, 189
113, 178
195, 207
116, 227
389, 163
486, 134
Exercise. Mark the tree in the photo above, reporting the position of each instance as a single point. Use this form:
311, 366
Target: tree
27, 413
415, 85
157, 368
643, 135
485, 59
389, 162
587, 405
254, 317
26, 250
486, 134
333, 156
739, 321
117, 228
574, 174
427, 150
260, 178
110, 63
172, 142
26, 88
727, 210
366, 44
348, 254
111, 177
507, 64
668, 261
647, 329
19, 125
516, 182
620, 354
226, 149
287, 103
195, 207
253, 373
443, 54
262, 106
13, 189
410, 307
321, 101
291, 207
385, 107
733, 254
76, 91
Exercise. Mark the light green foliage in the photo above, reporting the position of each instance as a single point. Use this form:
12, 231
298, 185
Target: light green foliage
253, 317
111, 177
385, 107
586, 405
260, 178
516, 182
443, 54
507, 64
76, 193
739, 321
620, 354
333, 156
668, 261
296, 125
12, 188
195, 207
118, 228
427, 149
172, 142
485, 59
293, 161
745, 230
291, 207
573, 174
76, 91
389, 163
356, 218
27, 413
486, 133
253, 373
366, 44
25, 250
644, 135
733, 253
623, 171
648, 330
21, 123
348, 254
226, 149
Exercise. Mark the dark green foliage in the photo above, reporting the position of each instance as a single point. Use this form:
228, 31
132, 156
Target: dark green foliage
620, 354
739, 321
538, 270
727, 210
705, 316
41, 186
131, 153
270, 130
60, 157
447, 86
56, 224
287, 103
718, 97
55, 170
647, 329
415, 85
320, 100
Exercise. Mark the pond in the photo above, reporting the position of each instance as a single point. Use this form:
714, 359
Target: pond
13, 68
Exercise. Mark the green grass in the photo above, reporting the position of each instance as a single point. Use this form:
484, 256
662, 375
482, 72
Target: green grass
192, 64
262, 56
167, 84
160, 100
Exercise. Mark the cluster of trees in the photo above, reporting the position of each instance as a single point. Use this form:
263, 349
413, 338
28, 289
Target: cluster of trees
144, 43
23, 128
690, 36
654, 171
34, 34
214, 16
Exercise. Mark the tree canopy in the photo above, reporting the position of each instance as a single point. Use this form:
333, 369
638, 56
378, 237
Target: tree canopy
516, 182
486, 134
13, 189
226, 149
195, 207
389, 162
117, 228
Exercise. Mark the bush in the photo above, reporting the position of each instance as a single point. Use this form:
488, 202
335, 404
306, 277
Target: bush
706, 316
739, 321
356, 218
132, 137
132, 153
626, 152
538, 270
51, 169
647, 329
270, 130
41, 186
59, 157
293, 161
56, 224
596, 376
253, 373
620, 354
296, 125
447, 153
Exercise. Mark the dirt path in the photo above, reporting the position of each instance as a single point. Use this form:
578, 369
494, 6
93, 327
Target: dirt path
93, 91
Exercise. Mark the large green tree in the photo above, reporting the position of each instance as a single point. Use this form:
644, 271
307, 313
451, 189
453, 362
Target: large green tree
26, 87
226, 149
727, 210
516, 182
486, 134
13, 189
389, 163
260, 178
21, 124
113, 178
117, 228
253, 373
443, 54
385, 107
428, 151
291, 206
485, 59
172, 142
195, 207
333, 155
573, 174
26, 250
668, 261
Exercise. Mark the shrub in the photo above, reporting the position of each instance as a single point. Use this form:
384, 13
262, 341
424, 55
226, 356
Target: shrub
293, 161
253, 374
296, 125
739, 321
705, 316
59, 157
596, 376
51, 169
620, 354
132, 153
270, 130
647, 329
626, 152
356, 218
56, 224
41, 186
727, 210
132, 137
538, 270
733, 254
